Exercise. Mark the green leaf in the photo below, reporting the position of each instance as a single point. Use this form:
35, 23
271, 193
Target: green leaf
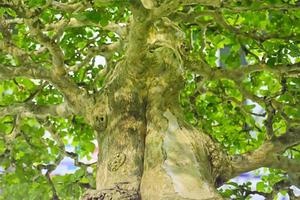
260, 186
36, 3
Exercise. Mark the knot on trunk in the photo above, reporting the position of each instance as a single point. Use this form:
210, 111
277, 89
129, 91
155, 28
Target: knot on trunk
116, 162
101, 122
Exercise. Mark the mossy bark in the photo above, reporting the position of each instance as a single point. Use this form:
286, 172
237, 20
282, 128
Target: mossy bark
146, 150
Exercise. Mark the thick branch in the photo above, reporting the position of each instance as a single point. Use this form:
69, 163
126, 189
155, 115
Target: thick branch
151, 4
69, 7
33, 72
75, 23
69, 89
242, 72
59, 78
237, 9
33, 110
268, 155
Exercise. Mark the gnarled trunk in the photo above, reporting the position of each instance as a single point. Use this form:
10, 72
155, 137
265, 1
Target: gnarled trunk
120, 163
147, 151
176, 159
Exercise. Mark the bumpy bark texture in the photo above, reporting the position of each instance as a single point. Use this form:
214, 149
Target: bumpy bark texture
147, 150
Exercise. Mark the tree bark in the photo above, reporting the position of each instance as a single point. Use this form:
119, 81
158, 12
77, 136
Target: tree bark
147, 151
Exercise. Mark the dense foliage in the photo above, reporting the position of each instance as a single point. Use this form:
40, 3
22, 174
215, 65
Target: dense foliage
239, 111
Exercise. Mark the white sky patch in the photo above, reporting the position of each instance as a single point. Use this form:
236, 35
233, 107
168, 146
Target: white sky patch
218, 56
108, 40
77, 62
295, 190
58, 16
89, 170
44, 171
100, 60
70, 148
36, 81
89, 75
258, 110
253, 134
88, 161
292, 59
56, 95
122, 24
257, 197
71, 73
37, 46
66, 166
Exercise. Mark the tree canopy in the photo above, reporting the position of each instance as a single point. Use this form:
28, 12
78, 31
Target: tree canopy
240, 62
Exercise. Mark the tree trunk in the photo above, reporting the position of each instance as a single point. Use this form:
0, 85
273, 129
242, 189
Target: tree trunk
176, 159
147, 151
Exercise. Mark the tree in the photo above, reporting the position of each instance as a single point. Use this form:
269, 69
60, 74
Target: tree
191, 94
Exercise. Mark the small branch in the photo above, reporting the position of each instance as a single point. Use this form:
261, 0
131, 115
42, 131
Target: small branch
70, 7
106, 50
236, 75
55, 51
242, 72
14, 133
54, 192
15, 51
191, 17
58, 75
203, 42
269, 121
50, 168
74, 95
237, 9
76, 159
214, 3
14, 21
219, 18
62, 150
248, 52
